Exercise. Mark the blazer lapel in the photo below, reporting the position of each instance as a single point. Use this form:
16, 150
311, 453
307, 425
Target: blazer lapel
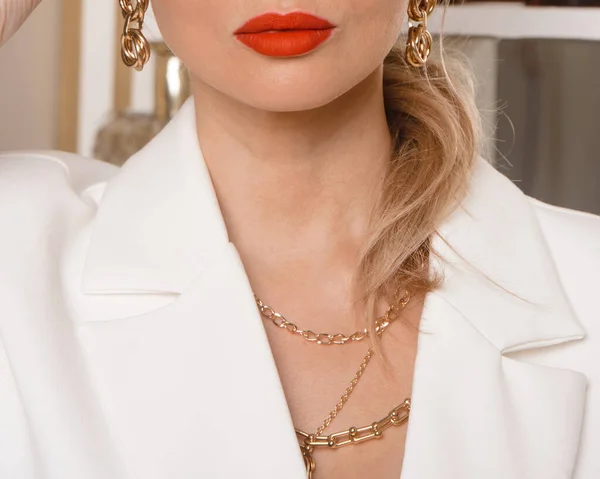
182, 366
158, 219
174, 342
190, 390
477, 412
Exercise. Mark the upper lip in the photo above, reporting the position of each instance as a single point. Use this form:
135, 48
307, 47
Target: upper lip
284, 21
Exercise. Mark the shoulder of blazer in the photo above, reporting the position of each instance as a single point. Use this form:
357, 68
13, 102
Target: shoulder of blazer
27, 175
42, 195
573, 238
571, 234
40, 190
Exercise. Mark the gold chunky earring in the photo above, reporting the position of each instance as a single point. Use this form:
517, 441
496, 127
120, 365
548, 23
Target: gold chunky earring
419, 41
135, 50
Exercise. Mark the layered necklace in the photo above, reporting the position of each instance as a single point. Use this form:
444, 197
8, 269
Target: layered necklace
354, 435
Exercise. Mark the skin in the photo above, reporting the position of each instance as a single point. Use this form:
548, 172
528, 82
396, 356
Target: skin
297, 149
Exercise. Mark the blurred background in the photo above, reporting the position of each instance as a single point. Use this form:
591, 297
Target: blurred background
537, 68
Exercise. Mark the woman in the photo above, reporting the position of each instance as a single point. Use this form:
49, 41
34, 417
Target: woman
323, 172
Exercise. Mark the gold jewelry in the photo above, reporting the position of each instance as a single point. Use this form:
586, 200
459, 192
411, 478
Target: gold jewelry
135, 50
340, 404
328, 339
353, 435
306, 446
419, 41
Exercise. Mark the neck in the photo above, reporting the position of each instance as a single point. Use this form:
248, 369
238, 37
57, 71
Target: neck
296, 184
312, 171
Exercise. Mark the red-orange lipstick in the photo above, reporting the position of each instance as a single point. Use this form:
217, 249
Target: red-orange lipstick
284, 35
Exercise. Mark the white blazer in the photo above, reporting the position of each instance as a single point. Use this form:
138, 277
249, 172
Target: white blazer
114, 284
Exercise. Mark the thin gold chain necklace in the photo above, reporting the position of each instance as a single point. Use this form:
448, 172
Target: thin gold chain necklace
353, 435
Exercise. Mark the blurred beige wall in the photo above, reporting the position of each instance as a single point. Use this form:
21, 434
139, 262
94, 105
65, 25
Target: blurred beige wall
29, 81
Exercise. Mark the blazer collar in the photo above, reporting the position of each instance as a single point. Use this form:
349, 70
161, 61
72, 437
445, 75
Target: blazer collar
493, 233
165, 183
499, 271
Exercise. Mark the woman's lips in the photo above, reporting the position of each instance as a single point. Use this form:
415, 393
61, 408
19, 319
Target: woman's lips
282, 35
284, 21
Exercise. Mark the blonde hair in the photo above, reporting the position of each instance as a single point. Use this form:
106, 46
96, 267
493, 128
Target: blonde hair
435, 131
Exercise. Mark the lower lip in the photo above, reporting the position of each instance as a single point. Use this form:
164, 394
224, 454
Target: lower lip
285, 43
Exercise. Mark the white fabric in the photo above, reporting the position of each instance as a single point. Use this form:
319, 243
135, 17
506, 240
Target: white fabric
110, 281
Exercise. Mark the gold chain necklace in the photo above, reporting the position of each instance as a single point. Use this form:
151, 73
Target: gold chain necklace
327, 339
353, 435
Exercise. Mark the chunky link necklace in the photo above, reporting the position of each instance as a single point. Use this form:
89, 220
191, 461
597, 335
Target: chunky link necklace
353, 435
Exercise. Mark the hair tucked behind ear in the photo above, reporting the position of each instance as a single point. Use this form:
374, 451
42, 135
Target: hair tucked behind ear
434, 127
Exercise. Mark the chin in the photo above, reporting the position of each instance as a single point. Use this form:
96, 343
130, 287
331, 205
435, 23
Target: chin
287, 101
298, 92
